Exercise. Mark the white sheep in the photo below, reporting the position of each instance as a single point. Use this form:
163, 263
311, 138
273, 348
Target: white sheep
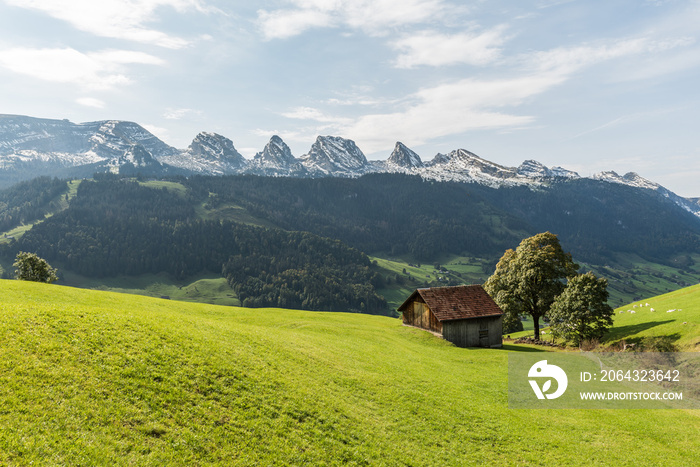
632, 311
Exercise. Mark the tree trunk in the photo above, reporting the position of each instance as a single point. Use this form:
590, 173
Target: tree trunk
536, 320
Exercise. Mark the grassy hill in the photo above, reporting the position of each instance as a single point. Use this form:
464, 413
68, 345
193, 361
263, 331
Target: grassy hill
98, 378
675, 320
658, 330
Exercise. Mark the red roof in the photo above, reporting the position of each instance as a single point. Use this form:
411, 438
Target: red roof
460, 302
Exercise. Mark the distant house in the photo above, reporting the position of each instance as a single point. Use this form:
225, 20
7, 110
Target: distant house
464, 315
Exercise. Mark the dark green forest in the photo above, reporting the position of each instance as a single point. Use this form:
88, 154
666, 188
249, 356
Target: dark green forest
312, 252
117, 227
28, 201
406, 215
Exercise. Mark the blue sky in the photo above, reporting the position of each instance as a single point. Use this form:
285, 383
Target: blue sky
587, 85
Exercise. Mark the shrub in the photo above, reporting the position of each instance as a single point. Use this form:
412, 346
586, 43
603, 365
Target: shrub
29, 267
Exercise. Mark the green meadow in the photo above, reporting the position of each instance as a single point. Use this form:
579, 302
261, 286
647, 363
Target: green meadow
668, 322
675, 318
100, 378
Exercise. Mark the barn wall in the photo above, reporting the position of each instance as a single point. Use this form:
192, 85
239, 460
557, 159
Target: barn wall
418, 314
475, 332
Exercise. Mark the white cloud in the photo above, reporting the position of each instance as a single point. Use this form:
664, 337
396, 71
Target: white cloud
449, 109
161, 133
435, 49
95, 70
374, 16
282, 24
122, 19
567, 60
91, 102
179, 114
309, 113
371, 16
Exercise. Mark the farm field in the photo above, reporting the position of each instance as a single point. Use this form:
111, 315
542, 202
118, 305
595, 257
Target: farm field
207, 288
99, 378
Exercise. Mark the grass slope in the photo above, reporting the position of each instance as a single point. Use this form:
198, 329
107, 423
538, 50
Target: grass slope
98, 378
207, 288
680, 326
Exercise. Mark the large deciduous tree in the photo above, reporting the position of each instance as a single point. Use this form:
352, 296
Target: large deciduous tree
581, 312
528, 279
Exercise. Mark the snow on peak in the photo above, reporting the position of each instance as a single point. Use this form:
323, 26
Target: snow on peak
276, 154
333, 155
215, 147
630, 178
563, 173
404, 157
276, 159
532, 168
208, 153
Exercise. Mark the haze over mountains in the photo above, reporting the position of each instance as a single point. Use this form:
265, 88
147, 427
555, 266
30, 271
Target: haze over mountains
30, 147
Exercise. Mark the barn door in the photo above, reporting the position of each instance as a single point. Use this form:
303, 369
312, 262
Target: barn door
484, 334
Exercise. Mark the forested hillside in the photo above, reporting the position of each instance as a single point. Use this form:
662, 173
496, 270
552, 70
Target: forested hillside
118, 227
400, 214
302, 243
28, 201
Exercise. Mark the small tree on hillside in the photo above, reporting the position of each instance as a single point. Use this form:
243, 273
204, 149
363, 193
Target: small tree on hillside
527, 280
582, 312
29, 267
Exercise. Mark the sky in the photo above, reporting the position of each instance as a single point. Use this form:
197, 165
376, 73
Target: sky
588, 85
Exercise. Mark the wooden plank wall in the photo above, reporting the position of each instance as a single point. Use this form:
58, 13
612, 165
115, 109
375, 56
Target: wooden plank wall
469, 332
418, 314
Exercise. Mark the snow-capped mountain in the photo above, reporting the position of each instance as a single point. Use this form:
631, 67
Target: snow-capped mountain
464, 166
335, 156
635, 180
404, 158
276, 159
114, 138
209, 153
30, 147
534, 169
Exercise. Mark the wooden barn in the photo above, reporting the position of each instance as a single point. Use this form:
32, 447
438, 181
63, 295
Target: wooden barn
464, 315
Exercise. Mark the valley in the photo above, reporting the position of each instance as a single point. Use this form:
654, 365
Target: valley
461, 228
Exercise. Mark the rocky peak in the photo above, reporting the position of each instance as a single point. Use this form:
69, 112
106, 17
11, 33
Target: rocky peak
630, 178
466, 161
216, 148
533, 169
564, 173
276, 154
402, 156
334, 155
114, 137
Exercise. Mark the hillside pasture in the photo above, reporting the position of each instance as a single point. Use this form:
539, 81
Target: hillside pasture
673, 317
98, 378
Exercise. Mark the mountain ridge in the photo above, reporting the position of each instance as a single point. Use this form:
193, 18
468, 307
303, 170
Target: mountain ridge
32, 146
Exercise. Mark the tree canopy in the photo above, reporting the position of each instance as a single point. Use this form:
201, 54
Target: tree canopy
29, 267
528, 279
581, 312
